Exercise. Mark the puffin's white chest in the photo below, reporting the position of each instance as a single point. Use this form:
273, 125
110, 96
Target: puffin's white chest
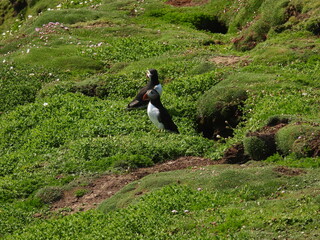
153, 114
158, 88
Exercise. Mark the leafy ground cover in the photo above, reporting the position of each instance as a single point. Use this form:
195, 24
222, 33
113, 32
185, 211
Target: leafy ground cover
264, 202
68, 70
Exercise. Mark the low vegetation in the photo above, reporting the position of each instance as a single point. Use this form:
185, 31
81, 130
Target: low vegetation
235, 73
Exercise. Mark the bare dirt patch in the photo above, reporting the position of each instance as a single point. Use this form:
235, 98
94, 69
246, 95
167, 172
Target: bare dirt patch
93, 25
235, 155
107, 185
230, 60
186, 3
289, 171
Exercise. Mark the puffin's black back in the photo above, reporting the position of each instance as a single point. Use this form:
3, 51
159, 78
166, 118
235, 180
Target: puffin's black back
138, 101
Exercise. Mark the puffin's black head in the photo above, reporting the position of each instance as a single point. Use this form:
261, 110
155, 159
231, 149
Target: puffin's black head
152, 74
151, 94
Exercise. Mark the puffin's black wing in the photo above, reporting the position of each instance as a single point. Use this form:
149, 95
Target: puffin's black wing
165, 118
138, 102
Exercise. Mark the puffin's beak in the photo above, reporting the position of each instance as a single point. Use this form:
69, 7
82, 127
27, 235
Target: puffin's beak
145, 97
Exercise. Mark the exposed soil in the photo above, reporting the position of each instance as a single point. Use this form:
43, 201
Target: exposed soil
315, 146
289, 171
268, 130
94, 25
186, 3
235, 155
267, 135
107, 185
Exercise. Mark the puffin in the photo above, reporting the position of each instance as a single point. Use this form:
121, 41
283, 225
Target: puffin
157, 113
153, 83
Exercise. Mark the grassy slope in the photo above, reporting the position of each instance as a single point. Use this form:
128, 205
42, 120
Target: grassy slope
48, 130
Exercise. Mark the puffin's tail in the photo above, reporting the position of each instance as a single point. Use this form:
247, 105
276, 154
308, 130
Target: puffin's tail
135, 104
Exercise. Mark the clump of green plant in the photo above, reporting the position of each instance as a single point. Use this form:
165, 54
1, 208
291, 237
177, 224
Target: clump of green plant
308, 145
80, 192
217, 99
259, 147
313, 26
49, 194
218, 110
298, 138
91, 87
278, 119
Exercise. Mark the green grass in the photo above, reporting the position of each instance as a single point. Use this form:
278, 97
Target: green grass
67, 16
63, 58
64, 87
262, 203
294, 161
